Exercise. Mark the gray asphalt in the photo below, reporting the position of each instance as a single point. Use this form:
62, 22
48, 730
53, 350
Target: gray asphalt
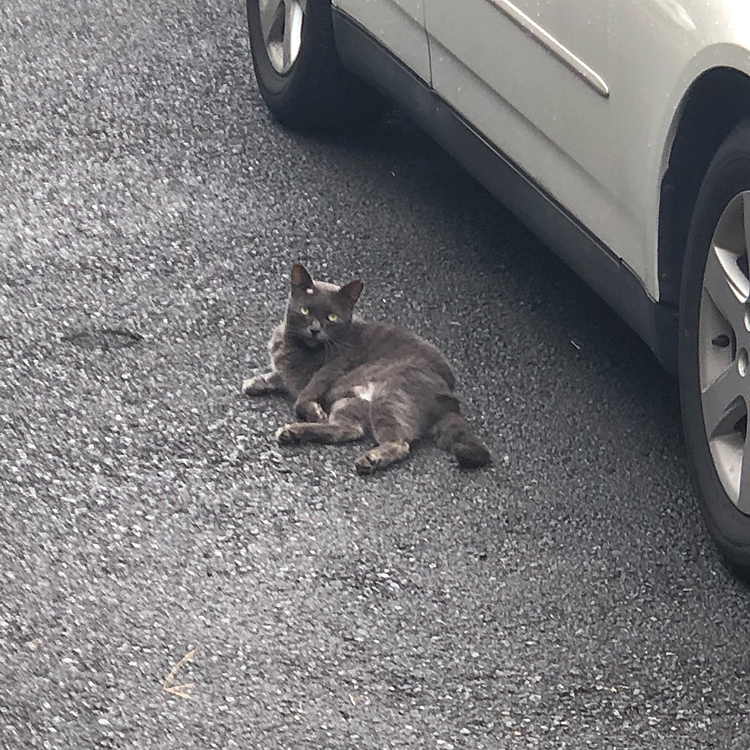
150, 211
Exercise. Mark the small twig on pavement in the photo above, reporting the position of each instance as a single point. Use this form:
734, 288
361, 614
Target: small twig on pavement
183, 691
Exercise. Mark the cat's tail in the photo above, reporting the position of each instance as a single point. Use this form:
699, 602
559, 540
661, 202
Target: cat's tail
452, 433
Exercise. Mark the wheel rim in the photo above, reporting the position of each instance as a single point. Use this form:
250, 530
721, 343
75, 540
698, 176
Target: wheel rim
724, 349
281, 25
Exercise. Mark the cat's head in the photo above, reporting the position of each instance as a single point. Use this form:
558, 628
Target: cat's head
319, 313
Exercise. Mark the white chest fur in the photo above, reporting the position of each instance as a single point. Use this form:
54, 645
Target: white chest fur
365, 392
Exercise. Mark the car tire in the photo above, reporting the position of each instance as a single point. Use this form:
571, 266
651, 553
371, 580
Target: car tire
714, 345
297, 67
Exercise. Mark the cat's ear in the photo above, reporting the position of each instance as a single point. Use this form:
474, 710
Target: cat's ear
349, 294
301, 279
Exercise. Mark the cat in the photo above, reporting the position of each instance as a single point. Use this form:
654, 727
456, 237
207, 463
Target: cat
351, 378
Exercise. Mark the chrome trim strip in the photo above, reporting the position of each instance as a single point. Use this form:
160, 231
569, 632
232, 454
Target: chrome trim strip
563, 54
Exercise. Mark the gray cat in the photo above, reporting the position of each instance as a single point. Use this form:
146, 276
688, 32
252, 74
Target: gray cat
352, 378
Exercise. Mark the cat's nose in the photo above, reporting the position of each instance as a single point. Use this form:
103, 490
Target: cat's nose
315, 328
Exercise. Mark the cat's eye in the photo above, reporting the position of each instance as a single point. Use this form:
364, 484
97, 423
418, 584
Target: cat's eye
304, 310
333, 317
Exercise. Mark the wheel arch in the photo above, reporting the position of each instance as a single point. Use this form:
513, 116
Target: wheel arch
716, 102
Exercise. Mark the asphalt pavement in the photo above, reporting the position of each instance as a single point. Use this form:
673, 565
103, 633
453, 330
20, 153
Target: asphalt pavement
171, 578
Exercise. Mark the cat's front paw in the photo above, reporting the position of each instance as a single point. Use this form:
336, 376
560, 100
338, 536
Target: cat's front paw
255, 386
310, 411
261, 384
288, 435
365, 464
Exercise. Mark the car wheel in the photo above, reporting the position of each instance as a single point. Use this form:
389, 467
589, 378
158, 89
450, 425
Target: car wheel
297, 66
714, 346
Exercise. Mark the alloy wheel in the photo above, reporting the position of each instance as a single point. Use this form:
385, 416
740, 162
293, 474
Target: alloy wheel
281, 26
724, 349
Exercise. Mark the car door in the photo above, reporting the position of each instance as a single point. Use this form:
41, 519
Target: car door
534, 77
396, 24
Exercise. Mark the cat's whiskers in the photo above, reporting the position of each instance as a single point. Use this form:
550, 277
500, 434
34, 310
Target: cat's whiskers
332, 349
342, 344
337, 347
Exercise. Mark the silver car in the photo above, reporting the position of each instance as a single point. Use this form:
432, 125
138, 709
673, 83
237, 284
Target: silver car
619, 130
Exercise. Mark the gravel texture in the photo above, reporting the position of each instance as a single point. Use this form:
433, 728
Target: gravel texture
150, 211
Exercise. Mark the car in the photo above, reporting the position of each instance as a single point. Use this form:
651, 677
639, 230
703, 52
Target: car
618, 130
